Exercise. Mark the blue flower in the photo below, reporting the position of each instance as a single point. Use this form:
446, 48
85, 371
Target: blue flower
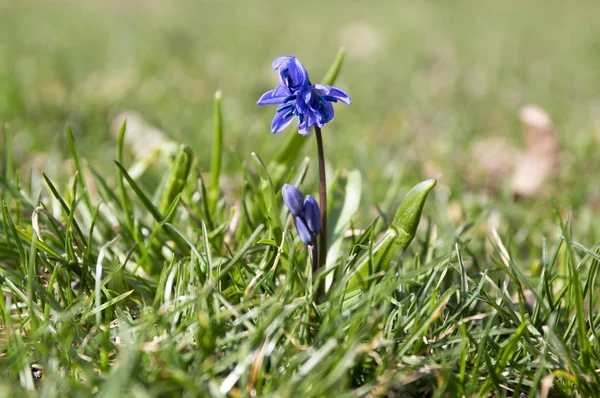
305, 211
296, 97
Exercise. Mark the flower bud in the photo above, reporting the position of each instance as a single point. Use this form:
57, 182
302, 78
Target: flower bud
303, 231
312, 215
293, 199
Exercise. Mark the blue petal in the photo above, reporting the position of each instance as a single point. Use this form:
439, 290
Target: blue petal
325, 114
300, 73
302, 229
335, 93
273, 97
281, 121
277, 62
312, 215
293, 199
305, 125
292, 74
303, 99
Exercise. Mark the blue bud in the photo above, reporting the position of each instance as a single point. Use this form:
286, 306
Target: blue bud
303, 231
312, 215
293, 199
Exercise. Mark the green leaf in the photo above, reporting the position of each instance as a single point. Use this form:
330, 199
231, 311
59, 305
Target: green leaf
397, 238
406, 221
64, 206
151, 208
140, 194
334, 70
9, 221
177, 178
16, 193
269, 242
421, 329
28, 237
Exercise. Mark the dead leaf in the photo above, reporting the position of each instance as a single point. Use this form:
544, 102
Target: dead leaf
496, 160
541, 158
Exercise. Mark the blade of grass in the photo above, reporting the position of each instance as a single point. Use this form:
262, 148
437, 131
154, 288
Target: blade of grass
217, 151
78, 169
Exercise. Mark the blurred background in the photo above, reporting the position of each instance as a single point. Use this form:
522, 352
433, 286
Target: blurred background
439, 88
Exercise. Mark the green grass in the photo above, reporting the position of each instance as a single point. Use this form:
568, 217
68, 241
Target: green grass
108, 292
179, 273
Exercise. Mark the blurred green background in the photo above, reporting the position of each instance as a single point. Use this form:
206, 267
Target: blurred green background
428, 79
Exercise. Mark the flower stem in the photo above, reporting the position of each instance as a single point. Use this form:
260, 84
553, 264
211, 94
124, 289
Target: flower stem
322, 199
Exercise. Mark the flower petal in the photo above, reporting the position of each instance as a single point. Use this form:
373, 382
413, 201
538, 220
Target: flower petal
303, 97
293, 199
305, 124
325, 114
300, 74
277, 62
312, 215
302, 229
273, 97
335, 93
281, 121
292, 74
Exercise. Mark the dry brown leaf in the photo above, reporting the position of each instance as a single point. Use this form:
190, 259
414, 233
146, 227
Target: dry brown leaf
495, 159
541, 158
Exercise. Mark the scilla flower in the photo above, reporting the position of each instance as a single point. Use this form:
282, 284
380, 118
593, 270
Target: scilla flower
305, 211
296, 97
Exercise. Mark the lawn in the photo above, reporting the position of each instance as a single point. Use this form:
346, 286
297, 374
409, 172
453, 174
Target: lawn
156, 257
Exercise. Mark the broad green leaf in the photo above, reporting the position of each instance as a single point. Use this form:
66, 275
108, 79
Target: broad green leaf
334, 70
177, 178
397, 238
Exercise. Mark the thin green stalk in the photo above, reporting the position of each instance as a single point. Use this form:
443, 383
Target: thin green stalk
217, 152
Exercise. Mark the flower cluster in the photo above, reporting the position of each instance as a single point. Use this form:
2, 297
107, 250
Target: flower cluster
297, 97
305, 211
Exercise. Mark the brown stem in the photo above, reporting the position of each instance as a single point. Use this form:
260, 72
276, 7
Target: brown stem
315, 255
322, 199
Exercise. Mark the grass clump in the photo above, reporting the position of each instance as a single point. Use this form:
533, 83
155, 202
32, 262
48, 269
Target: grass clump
131, 287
